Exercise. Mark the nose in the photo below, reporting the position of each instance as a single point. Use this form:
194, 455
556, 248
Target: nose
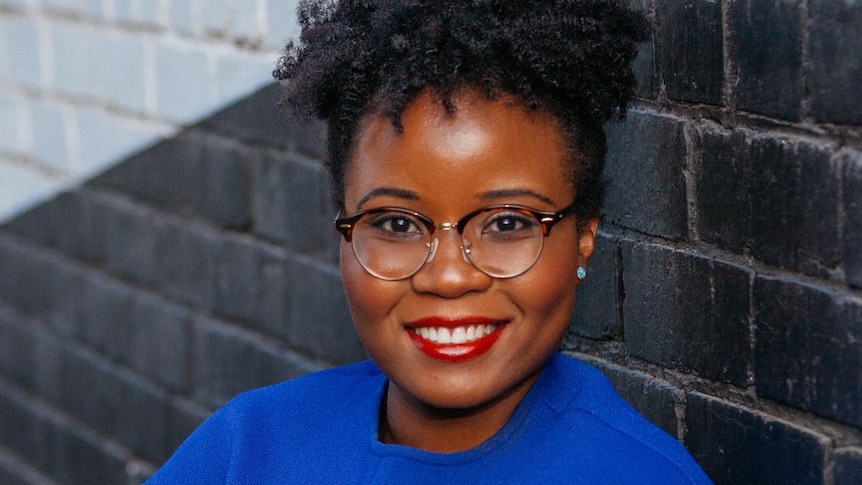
447, 271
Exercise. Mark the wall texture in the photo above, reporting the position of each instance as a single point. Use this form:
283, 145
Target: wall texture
724, 300
84, 83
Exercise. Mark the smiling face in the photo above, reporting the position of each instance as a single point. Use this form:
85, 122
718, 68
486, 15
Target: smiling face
445, 165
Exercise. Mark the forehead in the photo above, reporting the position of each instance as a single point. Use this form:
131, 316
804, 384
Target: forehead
482, 145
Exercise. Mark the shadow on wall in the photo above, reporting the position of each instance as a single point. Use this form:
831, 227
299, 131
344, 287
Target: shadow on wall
132, 306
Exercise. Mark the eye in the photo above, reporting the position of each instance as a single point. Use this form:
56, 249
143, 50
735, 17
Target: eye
507, 223
395, 224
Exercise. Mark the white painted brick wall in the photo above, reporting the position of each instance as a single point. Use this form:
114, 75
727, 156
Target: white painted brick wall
85, 83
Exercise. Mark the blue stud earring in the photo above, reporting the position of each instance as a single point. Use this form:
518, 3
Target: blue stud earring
582, 272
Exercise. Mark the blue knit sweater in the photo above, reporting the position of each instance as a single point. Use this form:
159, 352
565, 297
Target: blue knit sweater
322, 428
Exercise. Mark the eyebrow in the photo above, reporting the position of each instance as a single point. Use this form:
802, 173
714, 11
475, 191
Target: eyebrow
387, 191
490, 195
508, 193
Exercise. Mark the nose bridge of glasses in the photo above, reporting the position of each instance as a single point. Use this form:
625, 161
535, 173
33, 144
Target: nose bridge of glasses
434, 244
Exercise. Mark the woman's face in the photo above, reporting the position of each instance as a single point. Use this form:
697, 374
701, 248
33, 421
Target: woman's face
445, 166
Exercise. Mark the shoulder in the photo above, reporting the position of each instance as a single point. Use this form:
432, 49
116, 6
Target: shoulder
618, 438
267, 429
315, 388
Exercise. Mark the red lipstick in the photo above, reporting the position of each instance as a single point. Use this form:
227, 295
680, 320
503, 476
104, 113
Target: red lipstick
455, 340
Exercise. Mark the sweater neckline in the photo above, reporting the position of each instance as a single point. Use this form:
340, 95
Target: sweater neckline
513, 427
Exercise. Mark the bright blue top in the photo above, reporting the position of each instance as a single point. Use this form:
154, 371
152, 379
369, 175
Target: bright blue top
571, 427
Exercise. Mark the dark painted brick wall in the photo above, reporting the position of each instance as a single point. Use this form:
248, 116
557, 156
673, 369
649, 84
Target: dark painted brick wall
724, 300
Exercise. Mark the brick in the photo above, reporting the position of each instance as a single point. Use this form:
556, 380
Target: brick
243, 19
58, 447
37, 284
291, 205
229, 360
853, 218
655, 399
598, 303
23, 187
71, 224
776, 198
69, 6
766, 44
95, 8
156, 175
794, 205
689, 51
316, 296
14, 471
808, 353
240, 74
737, 445
51, 137
130, 234
682, 310
251, 285
193, 174
281, 23
106, 137
258, 120
121, 76
225, 182
643, 65
182, 16
73, 47
105, 308
182, 89
11, 131
100, 64
18, 349
156, 341
113, 402
214, 15
847, 466
138, 12
23, 61
13, 4
123, 10
20, 432
186, 264
131, 328
835, 56
722, 201
645, 165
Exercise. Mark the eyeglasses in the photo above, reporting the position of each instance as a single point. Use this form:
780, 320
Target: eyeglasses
502, 241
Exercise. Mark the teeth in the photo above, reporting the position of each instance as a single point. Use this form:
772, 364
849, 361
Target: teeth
443, 336
457, 335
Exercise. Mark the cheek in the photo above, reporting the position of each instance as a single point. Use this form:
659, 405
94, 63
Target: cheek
370, 299
550, 290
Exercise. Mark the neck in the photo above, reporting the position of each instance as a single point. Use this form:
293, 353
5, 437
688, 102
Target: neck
406, 421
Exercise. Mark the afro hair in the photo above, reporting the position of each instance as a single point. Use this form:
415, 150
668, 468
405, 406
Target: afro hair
570, 58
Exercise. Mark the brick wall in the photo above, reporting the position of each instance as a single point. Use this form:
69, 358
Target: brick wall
724, 300
84, 83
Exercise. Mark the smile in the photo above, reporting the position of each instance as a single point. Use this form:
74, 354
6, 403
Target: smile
455, 340
457, 335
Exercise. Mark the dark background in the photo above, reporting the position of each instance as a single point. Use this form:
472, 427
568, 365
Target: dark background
724, 300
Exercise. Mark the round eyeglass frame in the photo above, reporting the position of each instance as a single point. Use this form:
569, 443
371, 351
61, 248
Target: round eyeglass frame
545, 219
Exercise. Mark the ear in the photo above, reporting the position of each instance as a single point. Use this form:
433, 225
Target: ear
587, 239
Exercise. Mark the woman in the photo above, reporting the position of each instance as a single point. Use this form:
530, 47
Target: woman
465, 148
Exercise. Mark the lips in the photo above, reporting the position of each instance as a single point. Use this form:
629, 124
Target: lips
455, 340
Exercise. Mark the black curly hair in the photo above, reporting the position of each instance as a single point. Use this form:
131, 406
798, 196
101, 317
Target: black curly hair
570, 58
